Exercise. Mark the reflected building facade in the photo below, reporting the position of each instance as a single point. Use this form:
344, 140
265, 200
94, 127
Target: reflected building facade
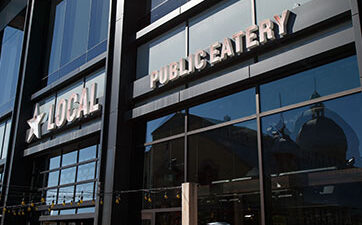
108, 107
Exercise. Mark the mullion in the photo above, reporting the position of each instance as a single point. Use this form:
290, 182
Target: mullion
69, 166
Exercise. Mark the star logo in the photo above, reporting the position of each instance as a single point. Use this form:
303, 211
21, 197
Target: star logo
35, 124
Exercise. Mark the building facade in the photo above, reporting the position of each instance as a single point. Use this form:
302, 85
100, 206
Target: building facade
108, 106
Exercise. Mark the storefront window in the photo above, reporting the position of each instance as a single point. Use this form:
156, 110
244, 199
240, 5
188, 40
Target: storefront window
11, 46
166, 126
224, 162
74, 182
321, 81
222, 110
78, 35
312, 158
164, 164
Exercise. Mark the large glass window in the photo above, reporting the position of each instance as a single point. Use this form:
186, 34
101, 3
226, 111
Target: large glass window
312, 157
311, 152
11, 46
71, 177
78, 34
222, 110
321, 81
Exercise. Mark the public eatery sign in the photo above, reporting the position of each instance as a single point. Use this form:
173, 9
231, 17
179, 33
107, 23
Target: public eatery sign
77, 106
251, 38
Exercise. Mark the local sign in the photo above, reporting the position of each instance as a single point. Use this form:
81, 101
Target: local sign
68, 110
253, 36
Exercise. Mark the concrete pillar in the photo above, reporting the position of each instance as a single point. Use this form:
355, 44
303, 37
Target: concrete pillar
189, 204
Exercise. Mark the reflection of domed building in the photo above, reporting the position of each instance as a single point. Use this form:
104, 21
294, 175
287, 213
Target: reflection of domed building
319, 139
322, 141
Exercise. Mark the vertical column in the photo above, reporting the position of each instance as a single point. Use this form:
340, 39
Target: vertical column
189, 204
357, 33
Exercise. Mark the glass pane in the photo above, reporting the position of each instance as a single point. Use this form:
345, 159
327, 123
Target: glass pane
85, 190
58, 30
54, 162
160, 8
220, 21
69, 158
99, 79
67, 212
266, 9
88, 153
6, 139
2, 136
223, 109
75, 36
67, 92
321, 81
66, 194
86, 210
53, 178
51, 195
98, 30
225, 164
164, 164
151, 56
67, 176
9, 63
313, 161
86, 172
165, 126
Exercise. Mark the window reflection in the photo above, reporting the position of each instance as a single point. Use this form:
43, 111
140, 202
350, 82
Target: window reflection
313, 159
165, 126
225, 163
78, 34
11, 46
221, 110
321, 81
164, 164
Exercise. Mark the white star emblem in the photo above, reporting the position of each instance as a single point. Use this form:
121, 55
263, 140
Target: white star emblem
35, 124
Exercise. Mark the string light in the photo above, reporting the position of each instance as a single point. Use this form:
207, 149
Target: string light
165, 196
178, 196
118, 199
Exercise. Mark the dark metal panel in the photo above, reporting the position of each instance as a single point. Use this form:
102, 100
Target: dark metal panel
308, 50
156, 105
215, 84
356, 21
141, 86
10, 11
64, 139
